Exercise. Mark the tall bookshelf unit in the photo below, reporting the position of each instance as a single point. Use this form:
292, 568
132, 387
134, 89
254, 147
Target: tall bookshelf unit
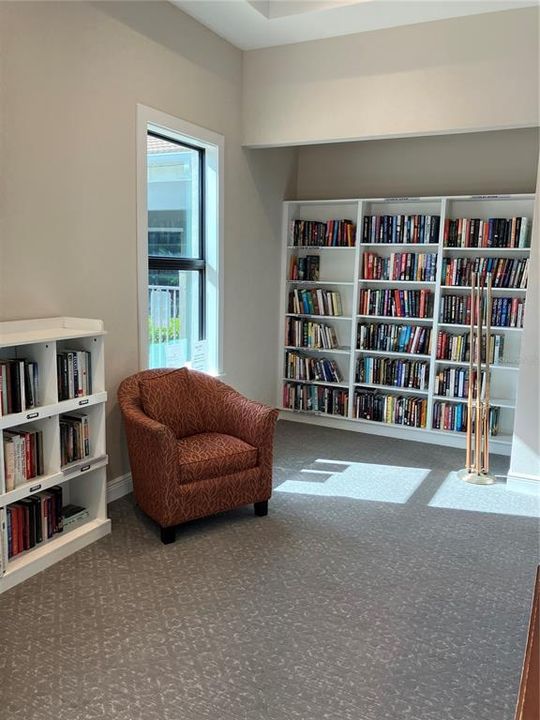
341, 269
83, 482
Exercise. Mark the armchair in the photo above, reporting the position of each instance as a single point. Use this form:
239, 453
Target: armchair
196, 446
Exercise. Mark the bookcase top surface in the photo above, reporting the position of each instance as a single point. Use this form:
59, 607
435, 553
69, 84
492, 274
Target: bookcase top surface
413, 198
26, 332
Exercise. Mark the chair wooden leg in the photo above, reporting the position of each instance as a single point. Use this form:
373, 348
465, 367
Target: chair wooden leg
261, 508
168, 535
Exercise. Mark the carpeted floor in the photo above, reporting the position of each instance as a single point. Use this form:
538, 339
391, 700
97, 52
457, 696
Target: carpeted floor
368, 593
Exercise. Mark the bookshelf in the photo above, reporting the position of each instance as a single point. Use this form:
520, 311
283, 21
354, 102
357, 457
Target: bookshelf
347, 271
65, 350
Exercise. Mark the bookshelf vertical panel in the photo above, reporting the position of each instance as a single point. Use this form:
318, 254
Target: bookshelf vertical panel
435, 326
354, 325
89, 491
2, 466
51, 444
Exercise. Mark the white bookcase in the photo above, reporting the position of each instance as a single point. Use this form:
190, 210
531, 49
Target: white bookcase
341, 270
83, 482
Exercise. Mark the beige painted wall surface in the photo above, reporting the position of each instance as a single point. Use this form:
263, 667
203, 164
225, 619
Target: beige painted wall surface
463, 74
72, 74
504, 161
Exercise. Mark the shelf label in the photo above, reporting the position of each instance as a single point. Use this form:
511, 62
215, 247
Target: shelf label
400, 199
30, 416
84, 402
34, 488
84, 468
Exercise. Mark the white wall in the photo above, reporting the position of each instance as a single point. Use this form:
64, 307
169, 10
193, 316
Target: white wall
525, 459
72, 75
457, 75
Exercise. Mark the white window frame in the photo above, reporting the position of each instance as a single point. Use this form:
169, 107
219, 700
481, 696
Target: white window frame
214, 145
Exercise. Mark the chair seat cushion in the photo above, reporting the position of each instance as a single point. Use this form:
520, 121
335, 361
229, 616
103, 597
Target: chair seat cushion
209, 455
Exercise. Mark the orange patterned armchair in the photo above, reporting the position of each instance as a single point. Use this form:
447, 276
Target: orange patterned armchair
196, 446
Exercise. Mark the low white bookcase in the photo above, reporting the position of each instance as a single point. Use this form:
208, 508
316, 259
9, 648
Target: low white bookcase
83, 482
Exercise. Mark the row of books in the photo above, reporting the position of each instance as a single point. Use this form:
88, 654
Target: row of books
393, 372
456, 347
305, 267
314, 233
315, 302
396, 303
505, 272
505, 312
453, 416
23, 456
419, 267
307, 334
452, 382
391, 337
494, 232
74, 438
34, 520
19, 386
390, 409
421, 229
303, 367
74, 373
316, 398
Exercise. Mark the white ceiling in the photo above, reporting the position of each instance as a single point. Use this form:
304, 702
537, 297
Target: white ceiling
251, 24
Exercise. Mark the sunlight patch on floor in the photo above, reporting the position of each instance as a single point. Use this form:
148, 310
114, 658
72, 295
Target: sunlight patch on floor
459, 495
360, 481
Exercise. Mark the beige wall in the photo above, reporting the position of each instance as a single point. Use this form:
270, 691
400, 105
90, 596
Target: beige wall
457, 75
504, 161
72, 74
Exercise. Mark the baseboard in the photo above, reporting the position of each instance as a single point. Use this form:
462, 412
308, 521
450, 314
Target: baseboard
529, 484
119, 487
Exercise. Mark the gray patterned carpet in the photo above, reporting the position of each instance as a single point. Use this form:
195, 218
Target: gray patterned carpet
330, 608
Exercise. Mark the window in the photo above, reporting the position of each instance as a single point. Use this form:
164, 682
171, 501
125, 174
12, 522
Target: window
179, 243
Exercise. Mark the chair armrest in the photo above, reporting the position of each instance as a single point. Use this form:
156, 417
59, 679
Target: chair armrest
248, 420
154, 463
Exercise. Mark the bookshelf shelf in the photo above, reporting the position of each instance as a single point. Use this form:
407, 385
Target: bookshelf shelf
314, 413
495, 402
335, 351
398, 283
426, 247
51, 551
497, 440
417, 221
494, 328
320, 317
389, 318
496, 291
319, 282
487, 252
316, 248
388, 353
316, 382
69, 354
392, 388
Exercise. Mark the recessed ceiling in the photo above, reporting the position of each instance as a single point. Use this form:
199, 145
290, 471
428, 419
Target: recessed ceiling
251, 24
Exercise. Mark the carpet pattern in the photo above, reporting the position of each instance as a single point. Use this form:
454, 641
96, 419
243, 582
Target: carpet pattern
331, 608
